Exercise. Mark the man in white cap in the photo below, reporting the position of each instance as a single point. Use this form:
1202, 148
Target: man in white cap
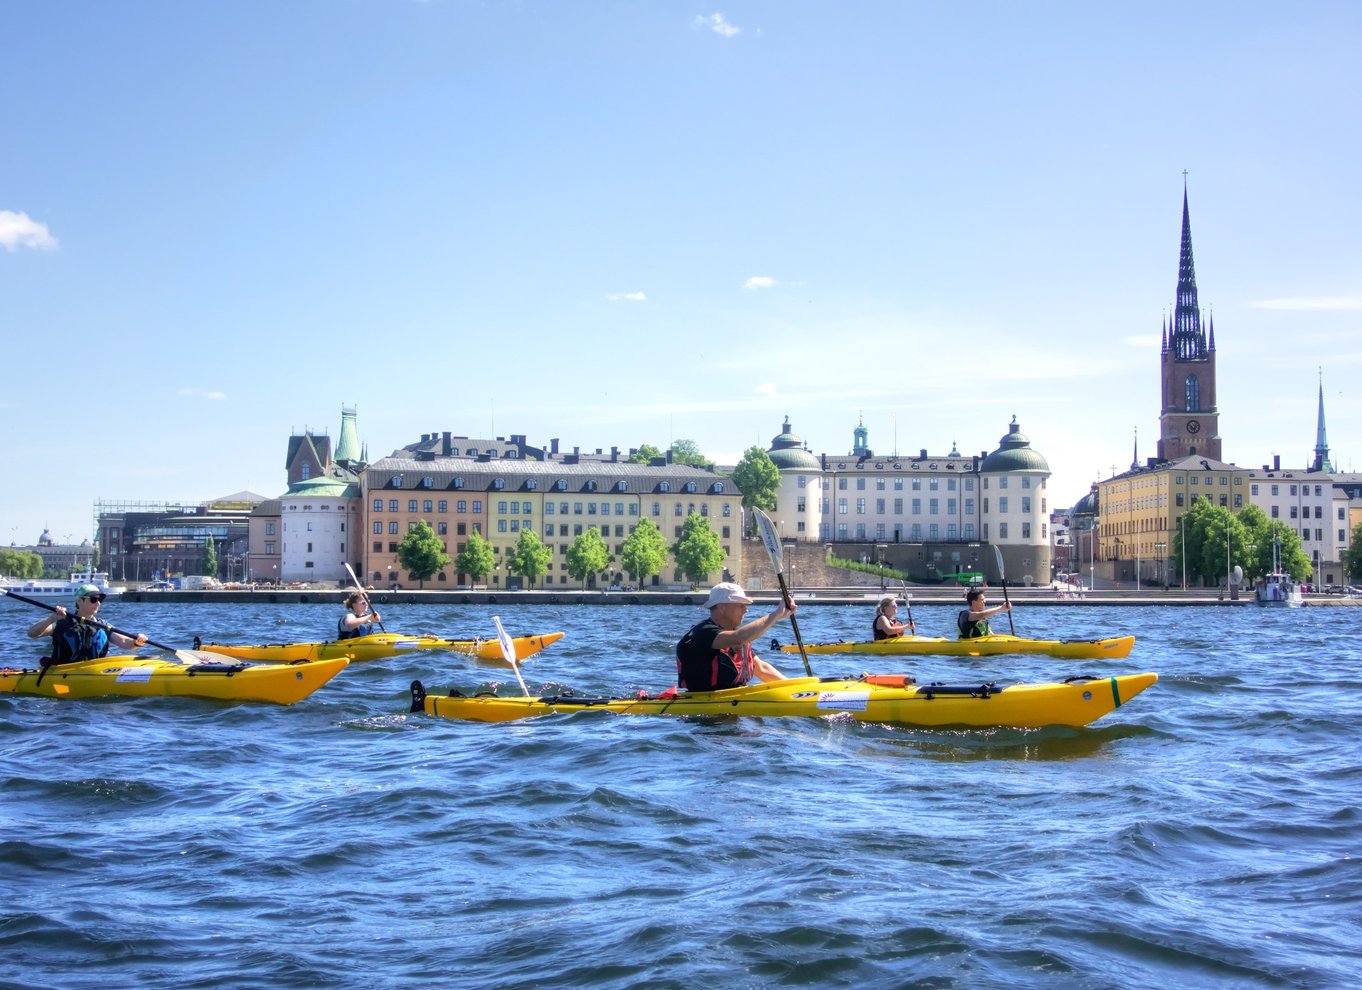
81, 636
717, 652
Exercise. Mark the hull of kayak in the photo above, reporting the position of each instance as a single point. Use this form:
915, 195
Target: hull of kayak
376, 646
152, 676
1075, 703
984, 646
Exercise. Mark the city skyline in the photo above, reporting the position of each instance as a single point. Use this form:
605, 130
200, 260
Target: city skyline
218, 226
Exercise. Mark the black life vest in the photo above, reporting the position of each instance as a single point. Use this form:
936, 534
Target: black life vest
75, 639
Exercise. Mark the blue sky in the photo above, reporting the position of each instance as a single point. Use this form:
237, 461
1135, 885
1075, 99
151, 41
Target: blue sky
623, 223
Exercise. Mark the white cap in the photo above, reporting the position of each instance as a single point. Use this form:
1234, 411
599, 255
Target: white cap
725, 593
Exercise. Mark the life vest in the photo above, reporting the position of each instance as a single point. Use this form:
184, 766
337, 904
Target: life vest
971, 629
75, 639
701, 667
363, 629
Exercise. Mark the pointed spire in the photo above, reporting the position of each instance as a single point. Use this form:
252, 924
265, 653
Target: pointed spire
1321, 437
1135, 456
347, 449
1188, 339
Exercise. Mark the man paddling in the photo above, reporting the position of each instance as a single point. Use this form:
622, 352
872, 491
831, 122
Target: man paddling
81, 636
973, 621
716, 653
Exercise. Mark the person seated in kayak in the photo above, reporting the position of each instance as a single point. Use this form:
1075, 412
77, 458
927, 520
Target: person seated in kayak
886, 626
717, 652
81, 636
358, 620
973, 621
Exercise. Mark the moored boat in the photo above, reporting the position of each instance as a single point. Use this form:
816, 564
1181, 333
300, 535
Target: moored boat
982, 646
62, 592
137, 676
376, 646
886, 698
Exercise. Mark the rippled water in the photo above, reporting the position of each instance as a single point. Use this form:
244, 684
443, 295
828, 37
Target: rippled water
1204, 835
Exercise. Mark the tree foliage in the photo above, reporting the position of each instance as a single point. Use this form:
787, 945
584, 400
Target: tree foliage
210, 558
20, 563
587, 555
698, 553
644, 454
758, 479
529, 557
1352, 557
476, 559
421, 553
644, 552
688, 452
1218, 540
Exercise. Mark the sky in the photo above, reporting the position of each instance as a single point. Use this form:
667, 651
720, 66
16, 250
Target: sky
618, 223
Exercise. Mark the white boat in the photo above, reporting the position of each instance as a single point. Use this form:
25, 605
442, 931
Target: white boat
1277, 587
58, 592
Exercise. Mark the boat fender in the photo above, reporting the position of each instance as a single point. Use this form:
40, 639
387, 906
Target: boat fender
198, 643
889, 680
418, 696
775, 643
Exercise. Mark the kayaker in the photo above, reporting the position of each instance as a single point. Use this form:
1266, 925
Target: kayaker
973, 621
81, 636
886, 626
358, 620
717, 652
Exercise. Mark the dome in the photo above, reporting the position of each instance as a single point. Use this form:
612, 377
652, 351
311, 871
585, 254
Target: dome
322, 488
1014, 453
1086, 506
787, 453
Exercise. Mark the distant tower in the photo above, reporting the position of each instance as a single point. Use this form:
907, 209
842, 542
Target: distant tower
1321, 438
860, 444
1189, 422
347, 450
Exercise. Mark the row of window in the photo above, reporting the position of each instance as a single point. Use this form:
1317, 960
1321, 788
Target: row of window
1303, 489
550, 508
531, 484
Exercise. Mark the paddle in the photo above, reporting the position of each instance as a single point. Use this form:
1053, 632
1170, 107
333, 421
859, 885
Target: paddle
186, 655
360, 588
772, 542
508, 651
908, 604
1002, 576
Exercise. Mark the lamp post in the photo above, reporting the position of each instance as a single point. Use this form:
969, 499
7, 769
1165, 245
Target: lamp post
1182, 521
880, 549
1092, 554
1158, 552
1116, 567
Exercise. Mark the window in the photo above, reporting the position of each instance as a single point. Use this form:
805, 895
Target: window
933, 504
1002, 530
1026, 531
548, 508
842, 509
269, 548
442, 528
1193, 394
378, 546
1178, 500
461, 505
392, 505
917, 506
392, 528
269, 529
444, 505
378, 528
427, 506
664, 487
576, 508
1026, 504
378, 505
477, 505
501, 507
657, 508
427, 482
969, 506
728, 510
860, 505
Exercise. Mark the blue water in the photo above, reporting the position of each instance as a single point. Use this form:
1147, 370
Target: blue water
1204, 835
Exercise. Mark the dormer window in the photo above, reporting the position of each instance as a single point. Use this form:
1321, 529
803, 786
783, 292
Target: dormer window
664, 486
717, 488
622, 486
499, 484
591, 486
458, 482
427, 482
531, 485
395, 481
561, 485
690, 486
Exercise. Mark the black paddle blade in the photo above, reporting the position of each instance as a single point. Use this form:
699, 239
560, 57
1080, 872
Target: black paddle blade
418, 696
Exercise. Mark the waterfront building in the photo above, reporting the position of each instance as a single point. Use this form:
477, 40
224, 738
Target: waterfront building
319, 516
499, 488
60, 559
143, 541
930, 516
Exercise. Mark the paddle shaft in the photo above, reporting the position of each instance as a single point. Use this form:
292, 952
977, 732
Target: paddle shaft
771, 542
98, 622
1002, 576
360, 588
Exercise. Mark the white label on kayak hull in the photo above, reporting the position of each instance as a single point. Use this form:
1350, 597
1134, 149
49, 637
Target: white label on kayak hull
842, 701
406, 644
135, 675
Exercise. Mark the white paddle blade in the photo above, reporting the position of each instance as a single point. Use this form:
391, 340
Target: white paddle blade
508, 651
998, 556
769, 537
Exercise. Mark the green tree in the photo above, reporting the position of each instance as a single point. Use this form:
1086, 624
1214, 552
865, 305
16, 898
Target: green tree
17, 563
529, 557
476, 559
697, 552
1279, 544
210, 558
588, 555
644, 552
1352, 557
644, 454
421, 553
758, 479
688, 452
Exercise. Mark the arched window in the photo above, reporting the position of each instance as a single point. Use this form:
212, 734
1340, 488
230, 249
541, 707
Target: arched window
1193, 394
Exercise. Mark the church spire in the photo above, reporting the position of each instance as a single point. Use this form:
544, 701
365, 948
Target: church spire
1321, 438
1188, 339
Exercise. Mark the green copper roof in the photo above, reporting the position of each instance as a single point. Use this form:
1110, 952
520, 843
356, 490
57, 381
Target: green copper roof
1014, 453
324, 488
787, 453
348, 447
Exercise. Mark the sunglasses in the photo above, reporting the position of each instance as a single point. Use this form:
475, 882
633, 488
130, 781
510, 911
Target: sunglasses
94, 598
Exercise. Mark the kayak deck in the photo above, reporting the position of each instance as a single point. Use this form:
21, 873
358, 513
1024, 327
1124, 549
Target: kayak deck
890, 699
998, 644
135, 676
377, 646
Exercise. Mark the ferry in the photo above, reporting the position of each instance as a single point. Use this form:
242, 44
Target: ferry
59, 592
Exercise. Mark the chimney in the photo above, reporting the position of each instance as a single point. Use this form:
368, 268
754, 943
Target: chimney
614, 454
446, 446
1276, 462
553, 446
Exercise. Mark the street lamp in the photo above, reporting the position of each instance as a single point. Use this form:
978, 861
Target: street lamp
1092, 554
1159, 547
1182, 521
880, 548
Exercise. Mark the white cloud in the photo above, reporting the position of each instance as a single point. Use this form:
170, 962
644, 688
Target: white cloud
1146, 340
202, 394
20, 230
766, 388
716, 23
1310, 303
759, 282
626, 297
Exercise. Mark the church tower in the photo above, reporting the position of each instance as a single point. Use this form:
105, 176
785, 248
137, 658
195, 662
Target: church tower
1189, 422
1321, 462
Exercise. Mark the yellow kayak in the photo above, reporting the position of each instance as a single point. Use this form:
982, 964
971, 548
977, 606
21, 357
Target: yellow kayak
379, 645
886, 698
134, 676
982, 646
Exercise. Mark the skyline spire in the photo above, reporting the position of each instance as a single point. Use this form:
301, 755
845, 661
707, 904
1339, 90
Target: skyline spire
1321, 437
